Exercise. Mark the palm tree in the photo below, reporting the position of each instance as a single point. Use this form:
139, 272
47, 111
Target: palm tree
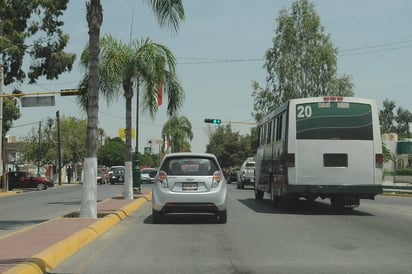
128, 66
179, 131
169, 13
88, 207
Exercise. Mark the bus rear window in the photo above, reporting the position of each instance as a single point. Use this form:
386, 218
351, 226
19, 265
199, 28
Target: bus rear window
334, 120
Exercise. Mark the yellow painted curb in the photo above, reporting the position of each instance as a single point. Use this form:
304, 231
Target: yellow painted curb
49, 258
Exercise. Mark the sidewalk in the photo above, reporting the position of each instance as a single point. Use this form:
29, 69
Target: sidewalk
40, 248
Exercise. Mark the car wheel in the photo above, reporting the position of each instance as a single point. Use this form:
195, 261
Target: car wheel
222, 216
156, 216
41, 186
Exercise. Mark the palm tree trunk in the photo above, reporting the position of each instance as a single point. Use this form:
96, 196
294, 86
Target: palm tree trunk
128, 176
88, 207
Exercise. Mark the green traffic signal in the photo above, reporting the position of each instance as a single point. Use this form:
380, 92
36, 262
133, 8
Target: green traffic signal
213, 121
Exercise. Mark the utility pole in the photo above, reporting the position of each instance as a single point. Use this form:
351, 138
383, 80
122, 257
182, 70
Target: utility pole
59, 154
39, 152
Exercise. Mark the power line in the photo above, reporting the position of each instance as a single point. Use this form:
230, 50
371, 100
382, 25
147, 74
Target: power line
384, 47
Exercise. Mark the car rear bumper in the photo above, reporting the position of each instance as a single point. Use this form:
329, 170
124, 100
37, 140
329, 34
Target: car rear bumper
167, 201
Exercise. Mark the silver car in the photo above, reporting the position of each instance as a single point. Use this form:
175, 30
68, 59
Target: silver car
189, 182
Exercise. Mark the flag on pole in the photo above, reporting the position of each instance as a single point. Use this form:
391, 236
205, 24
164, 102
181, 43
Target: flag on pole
160, 94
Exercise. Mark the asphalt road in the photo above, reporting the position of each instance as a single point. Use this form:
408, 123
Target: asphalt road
34, 206
312, 238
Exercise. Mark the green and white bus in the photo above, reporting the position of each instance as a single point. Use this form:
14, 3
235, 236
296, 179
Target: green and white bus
323, 147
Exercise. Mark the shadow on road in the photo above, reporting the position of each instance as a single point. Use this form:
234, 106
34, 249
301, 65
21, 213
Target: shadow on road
184, 219
302, 207
15, 224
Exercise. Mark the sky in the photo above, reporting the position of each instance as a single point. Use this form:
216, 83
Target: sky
220, 50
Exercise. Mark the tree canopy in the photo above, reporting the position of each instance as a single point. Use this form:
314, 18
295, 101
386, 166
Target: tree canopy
33, 28
178, 130
73, 133
301, 63
395, 120
230, 148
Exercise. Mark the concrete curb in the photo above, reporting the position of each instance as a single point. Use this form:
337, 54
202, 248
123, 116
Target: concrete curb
49, 258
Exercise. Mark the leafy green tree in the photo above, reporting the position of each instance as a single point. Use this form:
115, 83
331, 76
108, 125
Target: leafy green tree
33, 28
179, 131
387, 116
72, 136
263, 102
403, 118
302, 61
230, 147
11, 112
73, 132
112, 152
395, 120
146, 159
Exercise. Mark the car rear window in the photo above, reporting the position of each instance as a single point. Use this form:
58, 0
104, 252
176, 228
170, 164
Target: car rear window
190, 166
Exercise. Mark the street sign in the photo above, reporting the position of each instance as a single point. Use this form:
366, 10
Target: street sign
147, 150
38, 101
122, 133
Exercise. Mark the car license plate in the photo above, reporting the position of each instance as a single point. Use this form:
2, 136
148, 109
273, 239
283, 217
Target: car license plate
120, 179
189, 186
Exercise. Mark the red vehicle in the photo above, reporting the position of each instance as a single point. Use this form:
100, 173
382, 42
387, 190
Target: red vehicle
22, 179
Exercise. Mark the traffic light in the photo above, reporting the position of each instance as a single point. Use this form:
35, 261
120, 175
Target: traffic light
213, 121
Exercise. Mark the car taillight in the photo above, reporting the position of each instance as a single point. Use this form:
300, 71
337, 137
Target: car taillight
379, 160
217, 177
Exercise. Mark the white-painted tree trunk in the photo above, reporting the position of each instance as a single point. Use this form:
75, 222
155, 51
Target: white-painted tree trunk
128, 181
88, 207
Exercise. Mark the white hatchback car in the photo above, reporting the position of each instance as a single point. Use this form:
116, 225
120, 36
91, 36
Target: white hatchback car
189, 182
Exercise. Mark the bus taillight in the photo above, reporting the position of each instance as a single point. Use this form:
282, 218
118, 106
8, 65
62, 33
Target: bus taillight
379, 160
333, 98
290, 160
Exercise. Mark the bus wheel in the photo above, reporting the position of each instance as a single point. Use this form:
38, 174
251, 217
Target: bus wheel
258, 194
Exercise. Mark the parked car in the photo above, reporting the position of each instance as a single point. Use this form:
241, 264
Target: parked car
246, 175
117, 175
103, 176
189, 182
23, 179
148, 175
